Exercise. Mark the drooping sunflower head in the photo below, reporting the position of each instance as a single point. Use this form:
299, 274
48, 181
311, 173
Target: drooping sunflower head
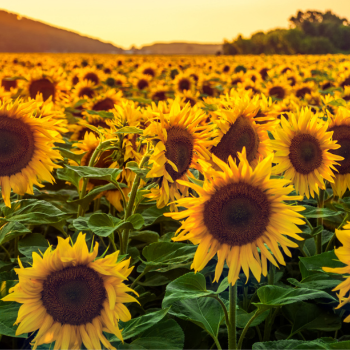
70, 297
237, 123
180, 142
303, 146
239, 209
339, 124
26, 148
342, 254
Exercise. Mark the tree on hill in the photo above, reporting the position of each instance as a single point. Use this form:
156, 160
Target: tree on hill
311, 32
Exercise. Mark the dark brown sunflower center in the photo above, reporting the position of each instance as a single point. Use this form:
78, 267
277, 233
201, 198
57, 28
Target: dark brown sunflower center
149, 71
302, 92
277, 91
342, 136
8, 84
184, 84
179, 149
159, 96
43, 86
16, 145
92, 77
305, 153
73, 295
86, 91
237, 214
142, 83
208, 90
104, 105
241, 134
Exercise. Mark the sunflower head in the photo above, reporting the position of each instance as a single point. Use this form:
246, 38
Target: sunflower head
303, 151
239, 209
69, 296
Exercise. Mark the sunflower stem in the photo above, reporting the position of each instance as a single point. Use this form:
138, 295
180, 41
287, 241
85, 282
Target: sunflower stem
130, 205
147, 268
271, 275
320, 205
331, 241
91, 164
232, 341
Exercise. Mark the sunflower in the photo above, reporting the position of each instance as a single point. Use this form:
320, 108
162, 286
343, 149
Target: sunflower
84, 89
184, 82
343, 254
26, 154
340, 126
237, 124
70, 297
180, 142
303, 146
239, 210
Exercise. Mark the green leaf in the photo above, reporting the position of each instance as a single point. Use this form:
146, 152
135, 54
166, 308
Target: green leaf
70, 155
12, 230
153, 215
84, 202
140, 324
162, 256
144, 101
33, 212
312, 317
68, 175
32, 243
315, 263
338, 103
102, 114
129, 130
107, 174
102, 224
273, 296
8, 316
81, 224
317, 281
166, 334
189, 286
206, 313
133, 166
145, 236
313, 212
323, 343
243, 317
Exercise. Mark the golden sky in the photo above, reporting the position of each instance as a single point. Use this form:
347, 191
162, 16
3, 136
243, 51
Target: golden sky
140, 22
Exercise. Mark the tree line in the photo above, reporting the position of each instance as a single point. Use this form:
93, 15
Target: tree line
311, 32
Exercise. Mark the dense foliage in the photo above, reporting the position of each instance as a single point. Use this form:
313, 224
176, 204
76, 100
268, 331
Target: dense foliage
312, 32
174, 202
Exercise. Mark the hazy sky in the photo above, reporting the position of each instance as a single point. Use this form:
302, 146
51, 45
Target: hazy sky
140, 22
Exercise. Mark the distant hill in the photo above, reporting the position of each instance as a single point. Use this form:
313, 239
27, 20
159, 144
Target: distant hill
180, 49
20, 34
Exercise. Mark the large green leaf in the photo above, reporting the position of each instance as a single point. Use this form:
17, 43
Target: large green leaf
104, 224
273, 296
8, 316
322, 343
166, 334
33, 212
312, 317
133, 166
107, 174
137, 325
162, 256
153, 215
320, 281
243, 317
316, 263
314, 212
12, 230
204, 312
32, 243
145, 236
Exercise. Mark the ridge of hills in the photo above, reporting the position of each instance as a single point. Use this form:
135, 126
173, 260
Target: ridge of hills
21, 34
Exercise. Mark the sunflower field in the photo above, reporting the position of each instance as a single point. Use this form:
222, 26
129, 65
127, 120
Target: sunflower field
168, 202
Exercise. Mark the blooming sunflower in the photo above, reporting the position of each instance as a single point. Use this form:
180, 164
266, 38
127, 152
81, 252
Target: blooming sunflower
343, 254
238, 127
180, 143
302, 146
239, 209
340, 126
26, 148
70, 297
